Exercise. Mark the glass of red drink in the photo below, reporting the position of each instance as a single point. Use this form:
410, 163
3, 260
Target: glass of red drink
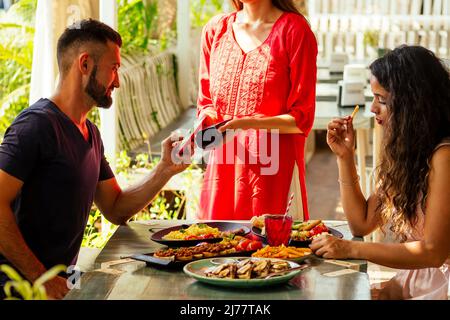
278, 229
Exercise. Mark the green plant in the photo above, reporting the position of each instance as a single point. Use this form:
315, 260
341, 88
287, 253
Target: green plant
16, 54
94, 116
94, 236
167, 205
137, 24
24, 288
203, 10
371, 38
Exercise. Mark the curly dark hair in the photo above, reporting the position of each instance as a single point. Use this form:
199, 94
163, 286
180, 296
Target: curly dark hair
418, 119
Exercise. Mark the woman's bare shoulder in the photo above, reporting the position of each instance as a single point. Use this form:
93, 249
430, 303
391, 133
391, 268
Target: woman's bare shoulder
440, 161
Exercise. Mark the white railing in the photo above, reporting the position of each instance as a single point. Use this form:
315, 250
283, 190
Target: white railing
381, 7
340, 26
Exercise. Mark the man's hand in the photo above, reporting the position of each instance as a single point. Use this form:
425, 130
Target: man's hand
170, 162
56, 288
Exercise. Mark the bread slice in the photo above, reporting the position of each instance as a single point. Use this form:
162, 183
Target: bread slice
306, 225
208, 254
258, 221
184, 258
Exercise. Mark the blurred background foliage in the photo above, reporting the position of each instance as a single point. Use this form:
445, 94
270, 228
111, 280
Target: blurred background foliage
16, 56
203, 10
167, 205
146, 26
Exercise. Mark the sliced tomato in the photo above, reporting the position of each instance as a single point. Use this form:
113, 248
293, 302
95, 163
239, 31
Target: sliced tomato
318, 229
206, 236
242, 246
254, 245
191, 237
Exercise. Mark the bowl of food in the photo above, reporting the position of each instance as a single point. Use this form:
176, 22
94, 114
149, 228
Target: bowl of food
192, 234
240, 272
302, 232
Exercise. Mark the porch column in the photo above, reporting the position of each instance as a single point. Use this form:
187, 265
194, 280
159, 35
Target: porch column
109, 117
183, 51
43, 73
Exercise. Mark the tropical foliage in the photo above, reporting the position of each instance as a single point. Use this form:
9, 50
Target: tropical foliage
167, 205
203, 10
21, 289
140, 27
16, 56
137, 23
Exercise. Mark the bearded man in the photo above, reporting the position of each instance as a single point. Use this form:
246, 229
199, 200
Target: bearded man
52, 164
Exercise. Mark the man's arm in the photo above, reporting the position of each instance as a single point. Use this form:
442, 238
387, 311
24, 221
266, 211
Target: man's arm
13, 245
120, 205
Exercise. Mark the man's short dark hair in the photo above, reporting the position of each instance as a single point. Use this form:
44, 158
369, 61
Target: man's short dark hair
82, 32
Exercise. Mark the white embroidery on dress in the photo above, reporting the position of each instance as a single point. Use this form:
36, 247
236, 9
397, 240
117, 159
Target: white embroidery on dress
237, 80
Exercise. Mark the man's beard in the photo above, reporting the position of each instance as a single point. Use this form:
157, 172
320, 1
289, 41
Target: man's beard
98, 92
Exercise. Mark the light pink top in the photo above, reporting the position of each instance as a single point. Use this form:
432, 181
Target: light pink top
419, 284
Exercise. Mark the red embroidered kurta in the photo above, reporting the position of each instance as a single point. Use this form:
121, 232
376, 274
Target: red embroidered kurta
278, 77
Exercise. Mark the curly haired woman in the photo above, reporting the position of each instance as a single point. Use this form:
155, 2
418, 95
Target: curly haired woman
411, 90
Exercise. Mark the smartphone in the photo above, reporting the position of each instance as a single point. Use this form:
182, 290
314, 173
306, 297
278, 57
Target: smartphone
189, 138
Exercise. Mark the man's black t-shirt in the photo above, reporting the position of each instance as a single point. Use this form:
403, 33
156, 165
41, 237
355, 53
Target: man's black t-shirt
60, 171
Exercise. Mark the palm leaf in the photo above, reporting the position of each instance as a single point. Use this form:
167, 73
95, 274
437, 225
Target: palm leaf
10, 272
20, 288
8, 55
5, 25
27, 291
40, 293
9, 99
7, 289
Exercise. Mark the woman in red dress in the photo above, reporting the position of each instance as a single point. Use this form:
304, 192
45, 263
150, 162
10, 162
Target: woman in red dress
257, 69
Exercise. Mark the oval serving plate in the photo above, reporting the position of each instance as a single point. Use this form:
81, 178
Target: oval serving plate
222, 226
152, 260
196, 270
297, 243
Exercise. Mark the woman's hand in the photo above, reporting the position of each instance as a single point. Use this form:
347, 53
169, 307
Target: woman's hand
331, 247
341, 136
241, 123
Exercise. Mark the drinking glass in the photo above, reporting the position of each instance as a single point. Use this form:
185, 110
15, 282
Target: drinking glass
278, 229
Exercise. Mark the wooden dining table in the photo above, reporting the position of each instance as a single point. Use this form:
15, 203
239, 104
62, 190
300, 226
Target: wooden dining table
117, 277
